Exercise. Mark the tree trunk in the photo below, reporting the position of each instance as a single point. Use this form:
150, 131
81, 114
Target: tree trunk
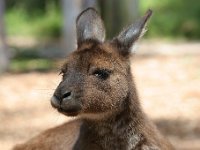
4, 59
118, 13
89, 3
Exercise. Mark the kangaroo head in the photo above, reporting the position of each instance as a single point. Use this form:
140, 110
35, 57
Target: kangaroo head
96, 76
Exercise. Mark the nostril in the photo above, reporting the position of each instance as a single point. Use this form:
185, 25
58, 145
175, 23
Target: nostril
67, 95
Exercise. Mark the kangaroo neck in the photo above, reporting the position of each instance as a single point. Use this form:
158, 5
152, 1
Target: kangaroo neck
130, 115
120, 131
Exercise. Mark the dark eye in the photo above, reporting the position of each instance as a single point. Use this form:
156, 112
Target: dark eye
102, 73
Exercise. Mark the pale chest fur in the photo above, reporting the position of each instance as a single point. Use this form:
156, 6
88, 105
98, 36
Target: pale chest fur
116, 137
119, 142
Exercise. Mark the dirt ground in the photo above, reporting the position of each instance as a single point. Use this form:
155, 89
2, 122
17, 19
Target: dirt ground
169, 88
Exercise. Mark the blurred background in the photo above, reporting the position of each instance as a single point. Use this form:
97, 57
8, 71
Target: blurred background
36, 35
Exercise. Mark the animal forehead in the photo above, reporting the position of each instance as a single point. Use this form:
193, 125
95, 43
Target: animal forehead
100, 56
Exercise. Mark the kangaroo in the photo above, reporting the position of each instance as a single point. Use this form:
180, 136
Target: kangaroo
98, 89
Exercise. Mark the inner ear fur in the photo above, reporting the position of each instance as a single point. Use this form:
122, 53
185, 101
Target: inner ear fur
89, 26
128, 36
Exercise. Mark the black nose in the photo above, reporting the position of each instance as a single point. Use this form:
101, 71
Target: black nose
67, 95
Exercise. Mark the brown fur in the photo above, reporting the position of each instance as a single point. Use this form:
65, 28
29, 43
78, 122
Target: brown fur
98, 88
58, 138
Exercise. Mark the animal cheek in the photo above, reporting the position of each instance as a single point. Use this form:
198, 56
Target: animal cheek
119, 88
95, 101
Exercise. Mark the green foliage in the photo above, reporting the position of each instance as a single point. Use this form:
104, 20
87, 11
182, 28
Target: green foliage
17, 22
27, 64
38, 23
31, 7
42, 18
50, 26
171, 18
29, 59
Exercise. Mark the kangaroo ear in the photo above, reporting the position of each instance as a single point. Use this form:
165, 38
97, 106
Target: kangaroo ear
126, 39
89, 26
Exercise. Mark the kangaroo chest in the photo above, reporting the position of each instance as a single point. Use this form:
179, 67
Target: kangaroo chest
105, 137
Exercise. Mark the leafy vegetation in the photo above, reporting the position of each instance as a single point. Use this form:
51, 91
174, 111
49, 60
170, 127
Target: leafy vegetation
38, 18
25, 65
24, 19
171, 18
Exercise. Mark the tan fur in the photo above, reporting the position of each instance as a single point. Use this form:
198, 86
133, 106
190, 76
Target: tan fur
61, 137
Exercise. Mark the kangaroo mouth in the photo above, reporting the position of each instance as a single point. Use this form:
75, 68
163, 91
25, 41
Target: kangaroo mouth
69, 112
68, 108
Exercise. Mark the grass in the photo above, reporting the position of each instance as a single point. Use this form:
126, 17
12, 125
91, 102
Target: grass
34, 64
28, 59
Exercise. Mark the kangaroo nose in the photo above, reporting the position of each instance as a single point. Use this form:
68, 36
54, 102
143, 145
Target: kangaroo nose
67, 95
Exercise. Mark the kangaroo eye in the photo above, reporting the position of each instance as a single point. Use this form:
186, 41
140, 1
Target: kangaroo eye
102, 73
